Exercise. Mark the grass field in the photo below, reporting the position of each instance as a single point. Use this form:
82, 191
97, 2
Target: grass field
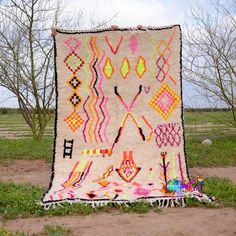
198, 126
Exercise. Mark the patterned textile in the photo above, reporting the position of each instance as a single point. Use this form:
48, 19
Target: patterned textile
119, 133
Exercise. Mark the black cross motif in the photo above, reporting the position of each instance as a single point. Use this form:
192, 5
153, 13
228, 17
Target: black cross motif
75, 99
75, 82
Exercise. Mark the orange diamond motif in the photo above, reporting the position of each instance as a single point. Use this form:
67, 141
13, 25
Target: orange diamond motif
108, 69
74, 121
164, 101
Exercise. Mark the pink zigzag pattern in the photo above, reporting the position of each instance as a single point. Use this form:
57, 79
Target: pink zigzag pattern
86, 122
106, 100
180, 167
90, 86
104, 117
100, 89
108, 120
98, 118
100, 73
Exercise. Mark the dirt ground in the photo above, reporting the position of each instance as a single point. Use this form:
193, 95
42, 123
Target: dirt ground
35, 172
171, 221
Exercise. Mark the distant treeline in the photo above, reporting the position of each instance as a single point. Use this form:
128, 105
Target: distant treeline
206, 109
5, 110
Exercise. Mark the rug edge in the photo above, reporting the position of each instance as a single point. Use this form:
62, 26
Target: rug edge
105, 29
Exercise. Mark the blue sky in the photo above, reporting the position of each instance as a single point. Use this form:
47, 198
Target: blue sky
129, 13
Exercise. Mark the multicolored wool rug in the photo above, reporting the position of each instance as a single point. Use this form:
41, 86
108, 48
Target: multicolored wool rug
119, 134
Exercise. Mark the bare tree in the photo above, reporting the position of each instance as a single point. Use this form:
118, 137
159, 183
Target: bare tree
26, 52
209, 55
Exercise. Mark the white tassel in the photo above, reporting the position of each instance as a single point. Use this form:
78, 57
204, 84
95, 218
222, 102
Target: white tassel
167, 203
46, 207
177, 202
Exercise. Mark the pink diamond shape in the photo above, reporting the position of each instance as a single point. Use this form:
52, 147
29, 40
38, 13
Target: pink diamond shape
73, 44
163, 68
165, 95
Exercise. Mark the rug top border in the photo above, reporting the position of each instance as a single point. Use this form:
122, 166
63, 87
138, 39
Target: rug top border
100, 30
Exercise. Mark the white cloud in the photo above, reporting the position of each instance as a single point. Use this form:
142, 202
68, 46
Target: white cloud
131, 12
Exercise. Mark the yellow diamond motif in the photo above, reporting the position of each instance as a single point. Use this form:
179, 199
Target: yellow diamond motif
140, 67
108, 69
125, 68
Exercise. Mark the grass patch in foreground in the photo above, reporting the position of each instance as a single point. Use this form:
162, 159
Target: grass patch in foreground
222, 189
28, 149
49, 230
21, 200
220, 153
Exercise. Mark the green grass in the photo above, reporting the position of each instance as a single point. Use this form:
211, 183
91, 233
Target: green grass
222, 189
5, 232
55, 230
204, 118
22, 200
9, 119
49, 230
220, 153
140, 207
29, 149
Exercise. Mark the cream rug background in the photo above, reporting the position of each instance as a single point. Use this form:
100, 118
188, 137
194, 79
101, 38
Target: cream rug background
119, 121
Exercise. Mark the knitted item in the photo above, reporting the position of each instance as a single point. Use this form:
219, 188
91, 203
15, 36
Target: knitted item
119, 133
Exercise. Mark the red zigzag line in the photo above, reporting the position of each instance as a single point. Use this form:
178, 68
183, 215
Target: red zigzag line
104, 117
108, 120
98, 118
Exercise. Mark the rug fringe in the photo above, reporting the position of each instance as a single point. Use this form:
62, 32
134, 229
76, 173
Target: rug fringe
159, 202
